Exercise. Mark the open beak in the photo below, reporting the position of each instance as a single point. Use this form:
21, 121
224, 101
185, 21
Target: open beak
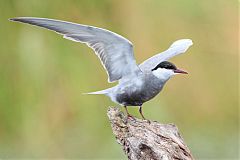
180, 71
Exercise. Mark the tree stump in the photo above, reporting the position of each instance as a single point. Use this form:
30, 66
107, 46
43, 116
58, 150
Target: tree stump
147, 140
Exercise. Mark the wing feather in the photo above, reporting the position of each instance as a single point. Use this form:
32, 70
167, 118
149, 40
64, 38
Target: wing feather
178, 47
114, 51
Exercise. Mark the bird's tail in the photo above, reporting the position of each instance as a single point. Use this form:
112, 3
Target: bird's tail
106, 91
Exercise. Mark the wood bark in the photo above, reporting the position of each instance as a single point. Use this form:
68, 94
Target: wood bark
147, 140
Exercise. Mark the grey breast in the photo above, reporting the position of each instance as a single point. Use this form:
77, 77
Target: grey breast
138, 90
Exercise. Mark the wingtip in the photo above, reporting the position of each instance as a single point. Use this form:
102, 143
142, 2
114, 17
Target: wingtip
15, 19
19, 19
189, 41
11, 19
186, 42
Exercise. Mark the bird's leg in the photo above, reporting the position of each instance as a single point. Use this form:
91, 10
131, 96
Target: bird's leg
129, 115
140, 110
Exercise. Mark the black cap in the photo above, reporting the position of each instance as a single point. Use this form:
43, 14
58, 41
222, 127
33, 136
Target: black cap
166, 65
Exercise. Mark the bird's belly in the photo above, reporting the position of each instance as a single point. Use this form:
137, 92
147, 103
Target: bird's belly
136, 97
133, 99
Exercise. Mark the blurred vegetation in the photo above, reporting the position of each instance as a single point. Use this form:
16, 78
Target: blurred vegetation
43, 113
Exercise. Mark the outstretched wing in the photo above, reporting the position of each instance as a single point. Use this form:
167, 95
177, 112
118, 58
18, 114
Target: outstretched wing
178, 47
114, 51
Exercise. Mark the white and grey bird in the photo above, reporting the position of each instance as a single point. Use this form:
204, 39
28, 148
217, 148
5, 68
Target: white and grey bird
136, 83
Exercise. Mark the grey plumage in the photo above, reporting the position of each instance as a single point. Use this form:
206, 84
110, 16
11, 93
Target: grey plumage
138, 90
114, 51
137, 84
178, 47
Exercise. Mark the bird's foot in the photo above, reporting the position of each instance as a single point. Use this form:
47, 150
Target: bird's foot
148, 121
129, 116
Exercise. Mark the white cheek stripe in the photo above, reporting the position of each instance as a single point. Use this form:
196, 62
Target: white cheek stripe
163, 74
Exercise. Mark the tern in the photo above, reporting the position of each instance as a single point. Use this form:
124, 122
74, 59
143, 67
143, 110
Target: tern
136, 83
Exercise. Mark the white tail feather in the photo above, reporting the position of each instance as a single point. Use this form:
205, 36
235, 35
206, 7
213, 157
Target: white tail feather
106, 91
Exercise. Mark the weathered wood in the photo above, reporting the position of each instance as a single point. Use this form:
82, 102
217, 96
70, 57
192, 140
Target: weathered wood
147, 140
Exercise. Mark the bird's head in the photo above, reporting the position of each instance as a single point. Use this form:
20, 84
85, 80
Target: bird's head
165, 70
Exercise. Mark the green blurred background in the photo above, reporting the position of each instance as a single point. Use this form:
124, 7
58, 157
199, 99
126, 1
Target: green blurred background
43, 113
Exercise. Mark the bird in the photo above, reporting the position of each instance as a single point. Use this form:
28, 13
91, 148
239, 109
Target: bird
137, 83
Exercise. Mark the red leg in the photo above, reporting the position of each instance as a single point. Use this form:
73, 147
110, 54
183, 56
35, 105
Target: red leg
129, 115
140, 110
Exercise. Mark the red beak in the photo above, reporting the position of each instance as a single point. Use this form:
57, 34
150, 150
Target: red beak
180, 71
